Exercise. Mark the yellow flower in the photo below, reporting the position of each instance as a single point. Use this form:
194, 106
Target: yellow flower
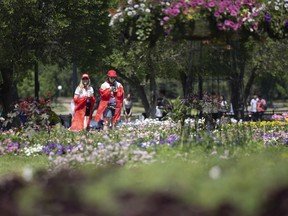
189, 17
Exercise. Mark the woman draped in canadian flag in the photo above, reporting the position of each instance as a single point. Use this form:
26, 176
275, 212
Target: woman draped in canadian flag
112, 95
84, 101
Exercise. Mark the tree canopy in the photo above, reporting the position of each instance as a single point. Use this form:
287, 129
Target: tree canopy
54, 32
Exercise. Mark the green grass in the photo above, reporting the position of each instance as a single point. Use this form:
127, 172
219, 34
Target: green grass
10, 164
138, 108
60, 108
244, 182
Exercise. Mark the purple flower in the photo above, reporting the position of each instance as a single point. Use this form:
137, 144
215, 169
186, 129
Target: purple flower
12, 147
52, 145
60, 151
172, 139
228, 23
46, 150
56, 148
267, 17
286, 24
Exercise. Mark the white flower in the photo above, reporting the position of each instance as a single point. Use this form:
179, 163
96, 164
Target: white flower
121, 20
136, 6
277, 8
250, 20
215, 172
147, 10
111, 23
129, 1
142, 5
129, 13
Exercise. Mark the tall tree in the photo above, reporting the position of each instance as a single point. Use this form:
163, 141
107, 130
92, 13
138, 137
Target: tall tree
25, 32
83, 34
60, 32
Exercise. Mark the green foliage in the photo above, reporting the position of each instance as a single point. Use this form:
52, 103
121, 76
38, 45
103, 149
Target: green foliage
269, 57
26, 86
50, 76
180, 111
26, 29
83, 34
51, 32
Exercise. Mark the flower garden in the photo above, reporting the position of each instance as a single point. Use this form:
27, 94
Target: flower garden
178, 166
153, 166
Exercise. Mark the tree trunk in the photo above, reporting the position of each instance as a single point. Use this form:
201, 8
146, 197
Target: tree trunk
235, 95
183, 81
153, 85
238, 64
136, 84
247, 90
187, 82
142, 94
9, 94
36, 81
188, 77
200, 86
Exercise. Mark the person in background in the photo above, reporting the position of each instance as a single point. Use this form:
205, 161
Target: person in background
223, 107
261, 107
253, 108
111, 94
128, 104
215, 102
1, 113
84, 101
163, 106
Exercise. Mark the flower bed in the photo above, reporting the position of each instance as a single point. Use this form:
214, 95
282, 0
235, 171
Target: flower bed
155, 160
140, 141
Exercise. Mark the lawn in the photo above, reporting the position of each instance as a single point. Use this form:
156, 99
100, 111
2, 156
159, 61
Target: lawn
15, 164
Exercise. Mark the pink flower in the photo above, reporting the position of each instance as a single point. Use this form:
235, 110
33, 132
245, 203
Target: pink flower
166, 18
229, 14
233, 13
211, 4
200, 2
228, 23
217, 14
